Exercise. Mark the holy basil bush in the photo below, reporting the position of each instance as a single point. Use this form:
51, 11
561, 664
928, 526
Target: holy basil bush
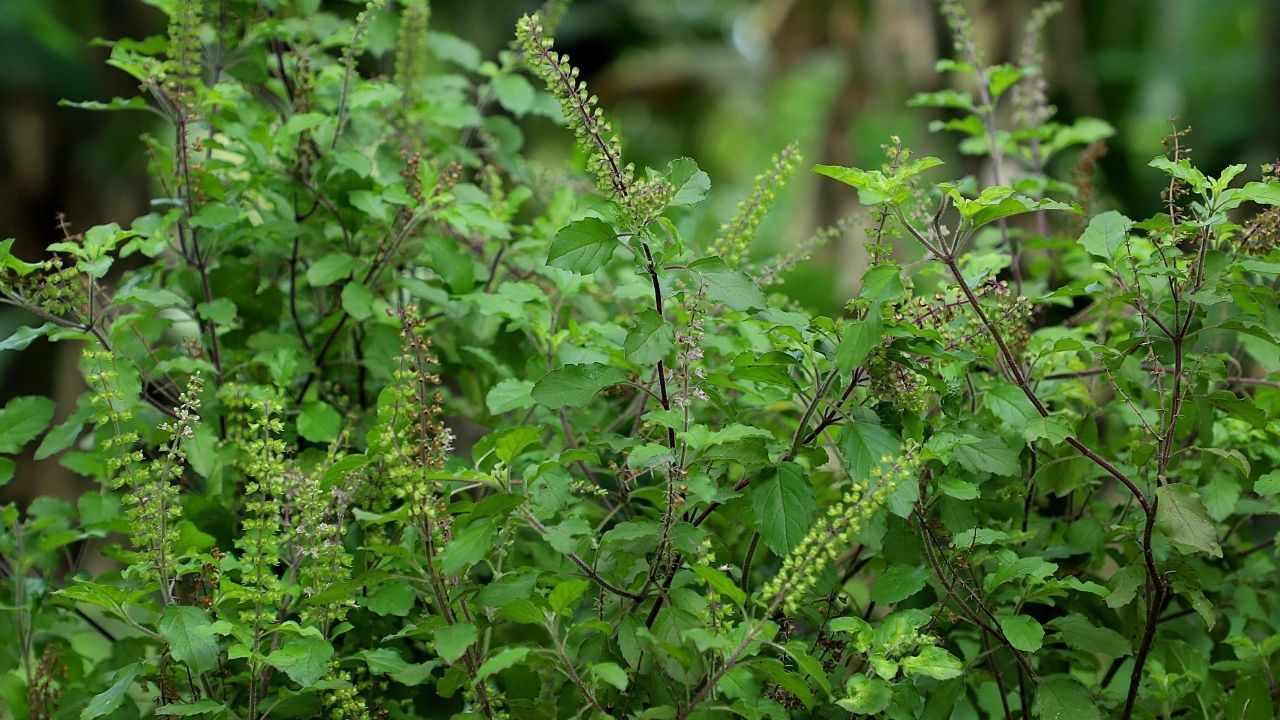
390, 423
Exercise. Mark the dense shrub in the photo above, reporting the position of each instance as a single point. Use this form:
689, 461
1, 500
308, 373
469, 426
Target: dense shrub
390, 423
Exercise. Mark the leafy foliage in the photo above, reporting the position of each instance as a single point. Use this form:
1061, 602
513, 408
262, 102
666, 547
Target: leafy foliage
389, 422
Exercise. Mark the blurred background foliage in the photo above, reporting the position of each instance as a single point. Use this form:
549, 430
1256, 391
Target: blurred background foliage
727, 82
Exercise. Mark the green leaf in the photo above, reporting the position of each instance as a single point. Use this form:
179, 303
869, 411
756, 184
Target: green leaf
305, 659
986, 454
1061, 698
690, 183
468, 546
24, 336
1183, 170
863, 444
514, 92
1082, 635
22, 419
1105, 233
109, 700
567, 593
319, 422
583, 246
808, 663
331, 268
610, 673
860, 338
899, 582
358, 301
187, 629
650, 340
7, 467
866, 695
509, 395
733, 288
507, 657
783, 503
1268, 484
933, 662
1023, 632
391, 598
1181, 515
575, 385
453, 640
198, 707
720, 583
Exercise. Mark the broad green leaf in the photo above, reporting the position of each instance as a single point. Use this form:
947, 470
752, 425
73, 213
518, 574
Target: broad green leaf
107, 701
505, 658
452, 641
331, 268
866, 695
198, 707
1105, 233
650, 340
305, 659
1268, 484
391, 598
319, 422
509, 395
985, 454
1062, 698
1080, 634
583, 246
575, 385
1023, 632
468, 546
933, 662
1183, 170
783, 503
1181, 515
863, 444
24, 336
690, 183
720, 583
514, 92
357, 301
899, 582
22, 419
860, 338
610, 673
567, 593
799, 652
187, 629
731, 287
